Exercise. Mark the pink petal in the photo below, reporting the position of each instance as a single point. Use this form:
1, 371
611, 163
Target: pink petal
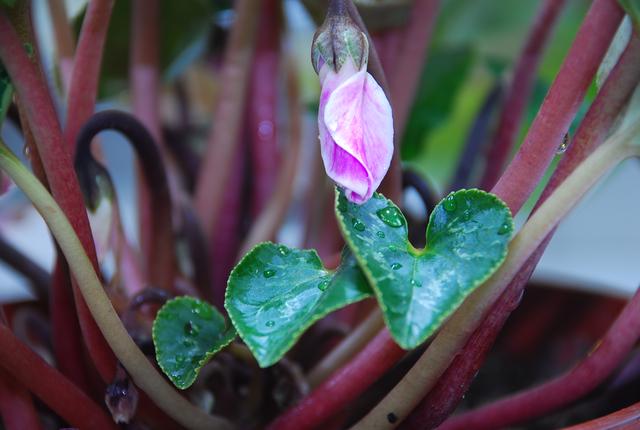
358, 119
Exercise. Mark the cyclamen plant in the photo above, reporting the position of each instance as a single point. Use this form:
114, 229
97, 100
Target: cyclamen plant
422, 318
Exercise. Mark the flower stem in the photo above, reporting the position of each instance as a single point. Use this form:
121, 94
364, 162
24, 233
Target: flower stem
43, 122
592, 131
626, 418
520, 90
49, 385
86, 67
227, 121
565, 389
16, 406
335, 394
453, 335
138, 366
65, 44
560, 105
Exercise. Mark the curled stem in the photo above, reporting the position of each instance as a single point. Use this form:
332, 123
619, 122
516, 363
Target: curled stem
141, 370
424, 374
161, 262
16, 406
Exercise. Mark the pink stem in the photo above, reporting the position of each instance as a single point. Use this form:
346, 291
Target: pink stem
83, 89
144, 78
409, 63
16, 405
593, 130
262, 118
56, 391
520, 91
564, 389
344, 386
38, 108
560, 105
627, 418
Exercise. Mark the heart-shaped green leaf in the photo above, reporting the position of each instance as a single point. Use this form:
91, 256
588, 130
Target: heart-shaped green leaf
275, 293
187, 332
467, 240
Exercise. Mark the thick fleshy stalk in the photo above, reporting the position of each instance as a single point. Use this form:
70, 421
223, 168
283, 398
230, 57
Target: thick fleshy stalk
16, 405
593, 130
334, 394
561, 104
56, 391
627, 418
225, 134
65, 44
83, 89
39, 111
520, 90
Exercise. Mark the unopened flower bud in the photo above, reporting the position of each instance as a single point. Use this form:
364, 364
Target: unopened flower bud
354, 116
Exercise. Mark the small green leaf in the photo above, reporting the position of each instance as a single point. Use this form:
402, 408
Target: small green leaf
275, 293
467, 240
187, 332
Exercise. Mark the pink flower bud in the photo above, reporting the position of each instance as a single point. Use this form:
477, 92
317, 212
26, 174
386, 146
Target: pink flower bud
356, 129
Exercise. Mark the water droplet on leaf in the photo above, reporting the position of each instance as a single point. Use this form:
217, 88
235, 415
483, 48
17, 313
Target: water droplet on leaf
504, 228
283, 250
191, 329
357, 224
380, 234
396, 266
203, 311
466, 215
270, 323
564, 145
342, 205
391, 216
450, 204
323, 285
269, 273
415, 283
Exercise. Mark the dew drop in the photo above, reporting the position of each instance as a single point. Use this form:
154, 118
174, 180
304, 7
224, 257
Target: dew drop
342, 205
269, 273
203, 311
283, 250
380, 234
323, 285
450, 204
357, 224
391, 216
504, 229
415, 283
191, 329
270, 323
564, 145
396, 266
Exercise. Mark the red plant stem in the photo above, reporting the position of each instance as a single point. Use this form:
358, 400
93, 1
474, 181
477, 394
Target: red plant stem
343, 386
262, 118
407, 67
86, 67
38, 107
56, 391
225, 240
564, 389
624, 419
66, 334
16, 405
214, 174
560, 105
519, 91
442, 400
144, 76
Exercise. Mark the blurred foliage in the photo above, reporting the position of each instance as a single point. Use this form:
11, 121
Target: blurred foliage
6, 91
474, 45
185, 27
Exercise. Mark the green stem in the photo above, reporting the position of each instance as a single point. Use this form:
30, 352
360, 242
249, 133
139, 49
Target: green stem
425, 373
141, 370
